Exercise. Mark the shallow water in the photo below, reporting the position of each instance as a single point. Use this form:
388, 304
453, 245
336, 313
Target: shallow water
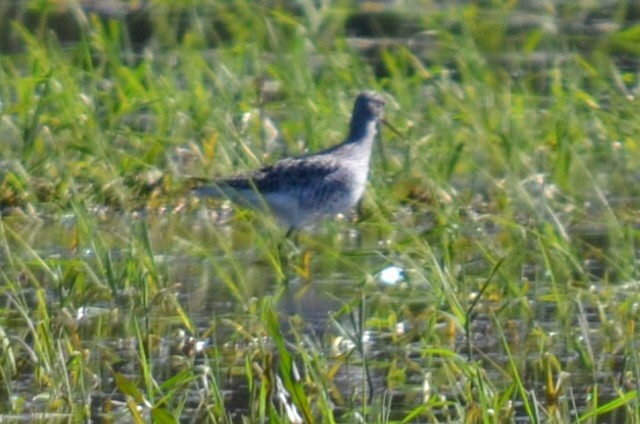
218, 301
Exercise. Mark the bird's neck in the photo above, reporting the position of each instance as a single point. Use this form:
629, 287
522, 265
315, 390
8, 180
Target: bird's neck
363, 130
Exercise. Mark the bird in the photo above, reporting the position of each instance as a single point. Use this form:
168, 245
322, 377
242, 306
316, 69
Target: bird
303, 190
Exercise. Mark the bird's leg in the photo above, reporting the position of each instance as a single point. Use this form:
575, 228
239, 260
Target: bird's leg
284, 253
290, 232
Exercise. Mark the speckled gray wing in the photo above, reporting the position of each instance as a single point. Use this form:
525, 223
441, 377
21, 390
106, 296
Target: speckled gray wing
296, 175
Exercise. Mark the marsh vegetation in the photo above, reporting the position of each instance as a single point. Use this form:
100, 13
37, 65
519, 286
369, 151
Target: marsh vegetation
489, 275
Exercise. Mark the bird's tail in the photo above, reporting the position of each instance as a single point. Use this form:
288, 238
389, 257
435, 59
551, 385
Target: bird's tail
220, 189
212, 190
206, 188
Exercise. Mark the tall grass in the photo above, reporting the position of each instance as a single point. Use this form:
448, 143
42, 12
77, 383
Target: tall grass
509, 205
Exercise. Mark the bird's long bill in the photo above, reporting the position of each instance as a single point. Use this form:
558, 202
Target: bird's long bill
392, 128
383, 156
